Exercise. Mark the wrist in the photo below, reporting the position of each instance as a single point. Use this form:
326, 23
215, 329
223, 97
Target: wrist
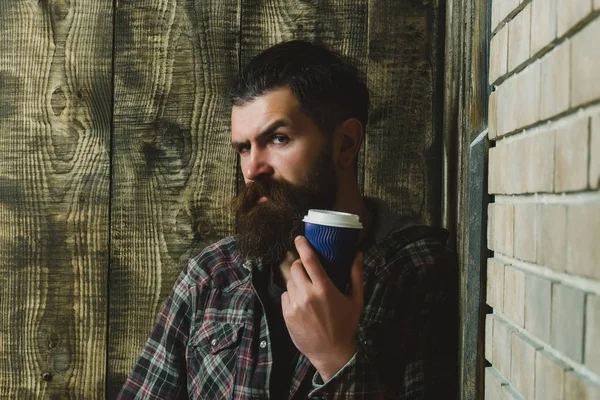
328, 366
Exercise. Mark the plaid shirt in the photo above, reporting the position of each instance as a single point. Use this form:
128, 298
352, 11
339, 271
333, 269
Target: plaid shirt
211, 338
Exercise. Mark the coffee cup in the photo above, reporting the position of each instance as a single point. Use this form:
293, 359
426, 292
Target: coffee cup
334, 236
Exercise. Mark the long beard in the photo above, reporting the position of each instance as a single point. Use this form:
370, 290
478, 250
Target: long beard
267, 230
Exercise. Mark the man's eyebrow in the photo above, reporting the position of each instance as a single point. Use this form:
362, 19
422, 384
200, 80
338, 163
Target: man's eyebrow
268, 131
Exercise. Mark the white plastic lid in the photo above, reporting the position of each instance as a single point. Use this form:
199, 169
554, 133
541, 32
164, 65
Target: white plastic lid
333, 218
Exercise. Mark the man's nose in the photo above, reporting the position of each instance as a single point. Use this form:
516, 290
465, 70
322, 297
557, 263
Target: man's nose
257, 166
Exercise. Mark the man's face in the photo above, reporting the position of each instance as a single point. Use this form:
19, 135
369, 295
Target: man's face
287, 166
275, 138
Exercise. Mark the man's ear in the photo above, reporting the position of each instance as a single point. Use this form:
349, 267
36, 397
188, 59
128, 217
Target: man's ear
349, 135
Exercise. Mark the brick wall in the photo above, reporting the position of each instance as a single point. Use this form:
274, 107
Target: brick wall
543, 282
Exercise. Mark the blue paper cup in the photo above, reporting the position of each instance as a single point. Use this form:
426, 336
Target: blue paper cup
334, 236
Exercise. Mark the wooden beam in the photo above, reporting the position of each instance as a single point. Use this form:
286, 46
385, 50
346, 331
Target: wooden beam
174, 170
55, 114
403, 144
465, 119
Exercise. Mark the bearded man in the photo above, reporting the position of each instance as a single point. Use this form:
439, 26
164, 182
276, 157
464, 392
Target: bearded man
255, 316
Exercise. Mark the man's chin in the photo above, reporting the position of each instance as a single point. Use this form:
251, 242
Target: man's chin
267, 236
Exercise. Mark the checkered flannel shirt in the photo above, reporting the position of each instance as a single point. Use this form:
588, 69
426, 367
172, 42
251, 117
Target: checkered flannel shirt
211, 338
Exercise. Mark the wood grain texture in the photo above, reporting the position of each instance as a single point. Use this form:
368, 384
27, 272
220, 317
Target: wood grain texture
341, 25
403, 146
453, 63
475, 277
174, 171
55, 111
478, 86
465, 118
76, 325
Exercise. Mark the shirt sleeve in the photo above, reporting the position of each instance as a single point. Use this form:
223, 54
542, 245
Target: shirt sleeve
160, 371
413, 356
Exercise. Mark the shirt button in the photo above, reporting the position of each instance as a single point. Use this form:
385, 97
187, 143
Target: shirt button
263, 344
214, 342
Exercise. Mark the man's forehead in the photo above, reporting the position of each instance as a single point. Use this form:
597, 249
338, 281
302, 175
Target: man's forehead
253, 116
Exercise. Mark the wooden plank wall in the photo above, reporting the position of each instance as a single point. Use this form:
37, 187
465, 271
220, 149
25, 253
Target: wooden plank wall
403, 153
174, 171
55, 117
115, 164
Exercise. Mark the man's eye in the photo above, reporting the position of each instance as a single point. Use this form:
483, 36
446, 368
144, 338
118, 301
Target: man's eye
279, 139
242, 149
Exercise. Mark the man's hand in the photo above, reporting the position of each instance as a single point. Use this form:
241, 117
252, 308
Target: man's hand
321, 320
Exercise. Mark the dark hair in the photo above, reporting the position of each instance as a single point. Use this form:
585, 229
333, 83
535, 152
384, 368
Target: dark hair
329, 88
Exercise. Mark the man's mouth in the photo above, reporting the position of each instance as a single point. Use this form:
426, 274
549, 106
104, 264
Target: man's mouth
262, 200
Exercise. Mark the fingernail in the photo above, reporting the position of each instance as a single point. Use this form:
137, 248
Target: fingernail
297, 237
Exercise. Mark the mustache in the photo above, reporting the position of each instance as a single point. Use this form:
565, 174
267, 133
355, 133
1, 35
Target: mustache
266, 230
277, 192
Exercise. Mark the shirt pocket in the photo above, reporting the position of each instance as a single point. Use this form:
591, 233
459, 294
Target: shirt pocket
212, 360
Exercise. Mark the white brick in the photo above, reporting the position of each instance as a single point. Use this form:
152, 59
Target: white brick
549, 377
494, 170
501, 347
522, 370
489, 337
495, 284
543, 23
528, 96
518, 100
578, 387
493, 384
585, 58
493, 116
501, 9
583, 237
514, 295
516, 158
491, 228
592, 334
518, 38
570, 12
511, 394
566, 330
595, 152
499, 54
538, 300
555, 95
538, 171
505, 111
552, 236
525, 231
571, 157
504, 228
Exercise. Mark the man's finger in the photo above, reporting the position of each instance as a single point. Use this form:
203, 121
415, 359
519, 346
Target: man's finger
285, 301
311, 262
291, 288
299, 274
357, 279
